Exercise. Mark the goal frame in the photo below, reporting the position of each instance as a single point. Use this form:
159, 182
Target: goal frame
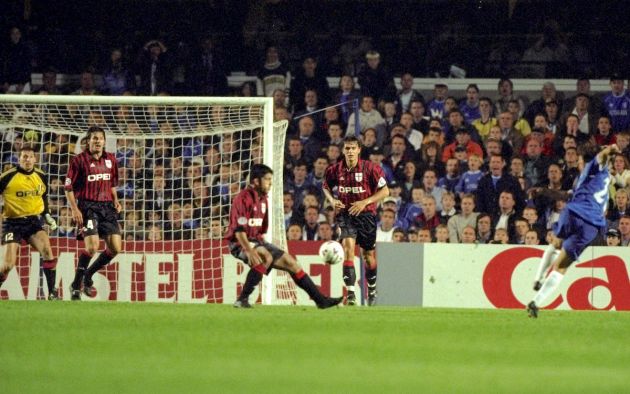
267, 126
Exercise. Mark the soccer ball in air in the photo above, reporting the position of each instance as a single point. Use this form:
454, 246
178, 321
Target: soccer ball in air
331, 252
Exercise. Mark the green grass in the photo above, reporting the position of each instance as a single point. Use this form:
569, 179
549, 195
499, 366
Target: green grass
50, 347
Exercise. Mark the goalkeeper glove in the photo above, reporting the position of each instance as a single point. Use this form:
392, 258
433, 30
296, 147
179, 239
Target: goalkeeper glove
51, 222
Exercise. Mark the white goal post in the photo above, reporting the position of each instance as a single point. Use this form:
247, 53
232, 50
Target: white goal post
181, 161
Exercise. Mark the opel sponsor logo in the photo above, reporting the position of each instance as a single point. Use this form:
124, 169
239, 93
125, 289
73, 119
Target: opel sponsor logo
99, 177
352, 189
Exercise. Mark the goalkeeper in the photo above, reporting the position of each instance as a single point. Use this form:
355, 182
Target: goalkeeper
248, 223
25, 194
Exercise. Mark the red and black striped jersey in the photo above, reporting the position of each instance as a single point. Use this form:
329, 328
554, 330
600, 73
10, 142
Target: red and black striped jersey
249, 214
91, 179
355, 184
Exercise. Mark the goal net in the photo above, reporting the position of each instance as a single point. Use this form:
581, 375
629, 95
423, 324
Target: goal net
181, 161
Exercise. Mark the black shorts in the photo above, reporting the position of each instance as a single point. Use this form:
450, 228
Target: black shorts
21, 229
99, 218
237, 251
361, 227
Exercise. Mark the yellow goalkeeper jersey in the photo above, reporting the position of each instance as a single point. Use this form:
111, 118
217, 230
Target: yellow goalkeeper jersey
24, 193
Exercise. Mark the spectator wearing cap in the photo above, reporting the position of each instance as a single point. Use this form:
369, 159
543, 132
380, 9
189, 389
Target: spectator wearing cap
583, 86
407, 94
586, 117
435, 107
376, 156
375, 80
613, 237
617, 104
462, 139
470, 105
394, 204
537, 106
395, 194
368, 118
455, 122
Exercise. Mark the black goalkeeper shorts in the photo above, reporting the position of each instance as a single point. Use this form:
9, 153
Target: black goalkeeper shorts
99, 218
361, 227
21, 229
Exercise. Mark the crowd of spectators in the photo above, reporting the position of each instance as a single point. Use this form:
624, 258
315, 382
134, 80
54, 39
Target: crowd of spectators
490, 167
460, 169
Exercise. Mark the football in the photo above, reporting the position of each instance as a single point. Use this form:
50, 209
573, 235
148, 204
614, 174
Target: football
331, 252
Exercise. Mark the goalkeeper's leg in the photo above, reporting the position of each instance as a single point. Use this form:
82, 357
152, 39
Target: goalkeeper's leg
41, 243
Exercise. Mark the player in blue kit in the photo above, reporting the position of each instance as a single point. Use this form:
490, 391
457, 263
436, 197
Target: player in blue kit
583, 218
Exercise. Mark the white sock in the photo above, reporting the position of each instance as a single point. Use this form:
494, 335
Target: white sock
550, 285
547, 258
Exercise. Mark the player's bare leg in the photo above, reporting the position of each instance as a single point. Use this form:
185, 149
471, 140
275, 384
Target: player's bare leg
560, 266
289, 264
549, 255
254, 276
113, 244
369, 257
41, 243
10, 257
349, 274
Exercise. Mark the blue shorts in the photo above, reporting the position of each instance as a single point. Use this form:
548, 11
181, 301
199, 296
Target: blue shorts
575, 233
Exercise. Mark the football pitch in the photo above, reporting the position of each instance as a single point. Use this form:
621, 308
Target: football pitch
64, 347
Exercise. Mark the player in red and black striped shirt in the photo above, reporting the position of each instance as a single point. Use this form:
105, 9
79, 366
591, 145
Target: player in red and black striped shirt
91, 192
249, 218
360, 185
